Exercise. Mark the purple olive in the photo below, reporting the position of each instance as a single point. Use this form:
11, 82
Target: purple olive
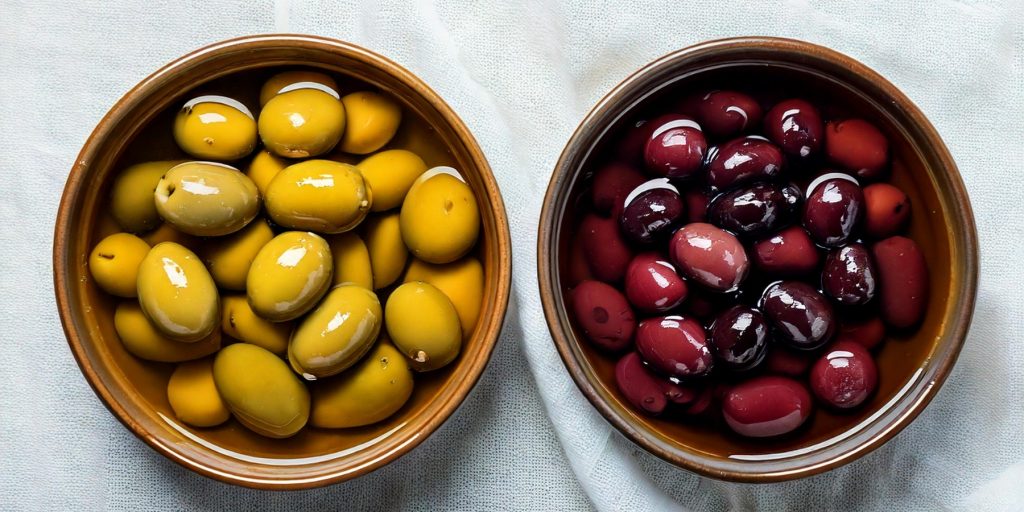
651, 210
766, 406
675, 346
710, 256
633, 141
849, 275
903, 281
606, 249
795, 126
845, 376
833, 209
802, 317
676, 147
641, 388
739, 337
741, 161
786, 361
788, 253
603, 315
756, 210
727, 113
612, 183
696, 205
652, 284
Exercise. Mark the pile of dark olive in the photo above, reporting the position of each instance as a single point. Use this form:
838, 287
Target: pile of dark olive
743, 259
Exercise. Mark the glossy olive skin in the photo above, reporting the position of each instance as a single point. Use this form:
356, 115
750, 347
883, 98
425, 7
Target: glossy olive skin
387, 251
788, 253
604, 315
301, 123
639, 386
114, 263
675, 346
848, 276
845, 376
739, 337
262, 169
869, 333
261, 391
766, 406
371, 121
286, 78
710, 256
652, 284
177, 293
783, 360
351, 260
230, 257
319, 195
336, 334
676, 147
215, 128
887, 210
833, 211
857, 146
795, 126
193, 395
424, 325
756, 210
241, 323
206, 198
652, 213
369, 392
743, 160
131, 196
605, 247
612, 183
141, 339
390, 174
289, 275
727, 113
461, 281
440, 220
903, 281
802, 317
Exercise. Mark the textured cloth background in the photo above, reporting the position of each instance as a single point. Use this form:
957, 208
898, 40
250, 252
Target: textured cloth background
522, 75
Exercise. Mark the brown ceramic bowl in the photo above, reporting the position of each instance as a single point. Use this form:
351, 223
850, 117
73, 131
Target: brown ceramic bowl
138, 128
912, 366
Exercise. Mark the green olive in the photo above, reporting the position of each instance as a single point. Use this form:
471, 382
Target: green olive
390, 174
206, 198
351, 260
371, 120
260, 390
131, 198
289, 275
114, 263
461, 281
215, 128
387, 251
229, 258
440, 219
167, 233
286, 78
424, 325
262, 169
303, 120
177, 293
337, 333
241, 322
319, 195
142, 340
375, 388
193, 395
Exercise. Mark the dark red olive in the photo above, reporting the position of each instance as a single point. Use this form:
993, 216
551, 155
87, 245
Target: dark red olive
603, 315
755, 210
785, 361
606, 248
696, 205
788, 253
702, 402
676, 147
739, 337
727, 113
674, 346
579, 268
652, 210
849, 275
868, 333
902, 281
857, 146
639, 386
766, 406
833, 209
802, 317
887, 210
709, 256
743, 160
796, 127
677, 392
612, 183
652, 285
634, 141
845, 376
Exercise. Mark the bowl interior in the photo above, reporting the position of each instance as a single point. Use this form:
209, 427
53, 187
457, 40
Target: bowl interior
139, 129
909, 362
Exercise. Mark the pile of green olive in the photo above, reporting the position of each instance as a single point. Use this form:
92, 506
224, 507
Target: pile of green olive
303, 290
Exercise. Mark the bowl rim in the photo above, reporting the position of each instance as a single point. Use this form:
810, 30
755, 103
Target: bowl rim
709, 466
441, 409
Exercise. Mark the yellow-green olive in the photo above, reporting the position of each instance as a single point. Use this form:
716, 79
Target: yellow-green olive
229, 258
461, 281
337, 333
215, 128
260, 390
193, 395
241, 322
303, 120
167, 233
390, 174
206, 198
318, 195
440, 220
351, 260
177, 293
375, 388
114, 263
142, 340
424, 325
387, 251
289, 275
262, 169
131, 198
371, 120
285, 78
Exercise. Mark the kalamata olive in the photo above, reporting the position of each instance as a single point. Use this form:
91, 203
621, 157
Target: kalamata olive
675, 346
857, 146
756, 209
788, 253
849, 275
709, 256
727, 113
902, 280
677, 392
606, 248
739, 337
651, 210
696, 205
867, 332
641, 388
652, 285
766, 406
701, 303
676, 147
786, 361
845, 376
887, 210
612, 183
795, 126
702, 402
833, 209
579, 268
743, 160
634, 140
603, 315
802, 317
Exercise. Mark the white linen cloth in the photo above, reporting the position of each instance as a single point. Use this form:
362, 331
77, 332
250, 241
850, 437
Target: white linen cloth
522, 75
